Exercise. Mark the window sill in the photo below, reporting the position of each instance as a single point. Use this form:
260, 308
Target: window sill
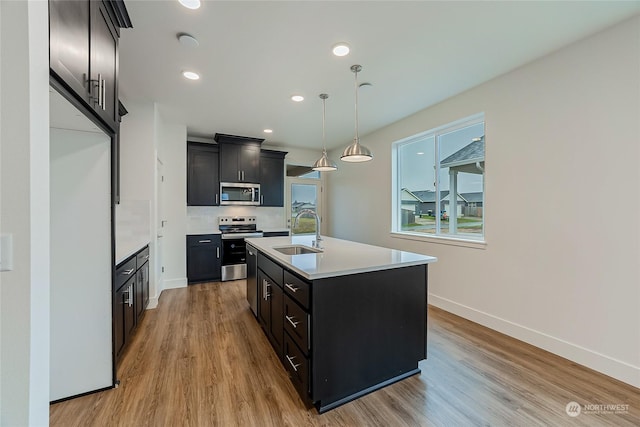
442, 240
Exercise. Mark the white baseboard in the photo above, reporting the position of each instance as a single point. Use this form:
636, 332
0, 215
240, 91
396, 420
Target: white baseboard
174, 283
153, 303
617, 369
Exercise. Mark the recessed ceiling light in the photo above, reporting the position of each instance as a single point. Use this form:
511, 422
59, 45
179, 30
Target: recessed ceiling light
187, 40
268, 131
190, 75
420, 153
190, 4
297, 98
341, 49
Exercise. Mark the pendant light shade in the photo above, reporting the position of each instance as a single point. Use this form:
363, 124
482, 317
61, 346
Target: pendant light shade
323, 164
356, 152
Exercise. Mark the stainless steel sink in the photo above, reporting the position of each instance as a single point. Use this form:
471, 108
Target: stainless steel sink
296, 250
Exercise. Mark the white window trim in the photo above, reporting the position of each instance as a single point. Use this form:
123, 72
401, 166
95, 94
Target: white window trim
447, 239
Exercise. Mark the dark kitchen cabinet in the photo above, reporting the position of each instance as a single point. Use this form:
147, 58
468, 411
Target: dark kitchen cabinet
103, 67
124, 316
271, 302
204, 253
239, 163
203, 184
83, 52
272, 178
142, 283
69, 44
239, 158
131, 297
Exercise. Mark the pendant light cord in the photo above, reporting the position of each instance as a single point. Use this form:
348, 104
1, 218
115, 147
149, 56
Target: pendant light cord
356, 87
324, 148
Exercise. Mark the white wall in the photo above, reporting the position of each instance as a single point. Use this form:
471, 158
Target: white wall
173, 148
24, 203
561, 266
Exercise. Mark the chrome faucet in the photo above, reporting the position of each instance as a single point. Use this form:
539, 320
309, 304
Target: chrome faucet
315, 243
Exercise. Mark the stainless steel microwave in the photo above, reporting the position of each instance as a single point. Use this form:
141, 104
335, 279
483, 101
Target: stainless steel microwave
239, 193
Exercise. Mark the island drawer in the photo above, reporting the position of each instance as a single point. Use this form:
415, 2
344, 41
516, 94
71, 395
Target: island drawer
124, 272
296, 323
270, 268
297, 366
297, 288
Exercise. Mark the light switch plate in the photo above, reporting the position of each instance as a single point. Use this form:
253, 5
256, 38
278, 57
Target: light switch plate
6, 252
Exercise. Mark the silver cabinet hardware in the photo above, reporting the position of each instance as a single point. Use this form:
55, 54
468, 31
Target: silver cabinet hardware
290, 319
250, 253
129, 300
104, 94
261, 199
128, 272
217, 199
239, 179
146, 257
265, 290
290, 360
100, 90
218, 252
291, 287
243, 175
204, 241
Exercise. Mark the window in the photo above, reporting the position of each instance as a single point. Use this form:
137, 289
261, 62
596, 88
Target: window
439, 181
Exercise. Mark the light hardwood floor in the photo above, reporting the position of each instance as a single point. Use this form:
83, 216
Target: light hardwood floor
201, 359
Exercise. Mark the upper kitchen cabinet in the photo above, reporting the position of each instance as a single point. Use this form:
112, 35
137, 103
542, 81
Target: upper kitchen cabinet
83, 52
203, 184
239, 158
272, 178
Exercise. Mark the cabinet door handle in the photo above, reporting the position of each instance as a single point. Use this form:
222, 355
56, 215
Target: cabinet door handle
128, 272
204, 241
290, 360
250, 253
243, 175
104, 94
261, 199
146, 257
239, 179
290, 319
218, 252
217, 199
291, 287
100, 90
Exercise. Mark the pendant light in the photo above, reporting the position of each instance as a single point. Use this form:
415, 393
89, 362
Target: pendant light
356, 152
323, 164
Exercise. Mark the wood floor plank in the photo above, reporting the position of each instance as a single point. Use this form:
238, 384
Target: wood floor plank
201, 359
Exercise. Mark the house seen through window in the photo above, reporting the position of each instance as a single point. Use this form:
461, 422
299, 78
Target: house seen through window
439, 181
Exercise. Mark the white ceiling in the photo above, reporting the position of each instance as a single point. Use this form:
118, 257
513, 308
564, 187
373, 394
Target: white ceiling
254, 55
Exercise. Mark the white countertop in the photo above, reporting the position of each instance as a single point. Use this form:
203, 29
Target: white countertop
338, 258
125, 248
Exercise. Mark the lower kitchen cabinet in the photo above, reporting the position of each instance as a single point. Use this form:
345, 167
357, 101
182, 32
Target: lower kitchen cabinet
131, 286
204, 252
271, 302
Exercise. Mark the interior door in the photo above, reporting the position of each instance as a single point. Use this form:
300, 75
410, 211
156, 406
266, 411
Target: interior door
303, 194
158, 263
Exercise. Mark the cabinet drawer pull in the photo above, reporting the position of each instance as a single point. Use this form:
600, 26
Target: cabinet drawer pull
146, 257
294, 324
290, 360
250, 253
291, 287
204, 241
128, 272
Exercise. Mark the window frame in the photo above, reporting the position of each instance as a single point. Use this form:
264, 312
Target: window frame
396, 193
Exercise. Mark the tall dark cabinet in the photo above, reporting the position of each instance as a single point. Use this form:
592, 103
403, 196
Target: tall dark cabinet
272, 177
203, 183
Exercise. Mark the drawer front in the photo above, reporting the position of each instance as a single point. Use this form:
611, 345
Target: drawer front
297, 366
296, 323
297, 288
125, 272
202, 239
273, 270
142, 257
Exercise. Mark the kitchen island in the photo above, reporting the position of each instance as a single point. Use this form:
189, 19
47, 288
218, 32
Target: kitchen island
344, 321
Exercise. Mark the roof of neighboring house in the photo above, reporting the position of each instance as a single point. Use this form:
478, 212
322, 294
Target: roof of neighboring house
471, 153
427, 196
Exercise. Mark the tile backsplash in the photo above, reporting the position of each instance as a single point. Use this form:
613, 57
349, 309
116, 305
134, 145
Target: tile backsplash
204, 219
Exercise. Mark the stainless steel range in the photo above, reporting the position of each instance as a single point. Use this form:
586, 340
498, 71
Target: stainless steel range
234, 229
